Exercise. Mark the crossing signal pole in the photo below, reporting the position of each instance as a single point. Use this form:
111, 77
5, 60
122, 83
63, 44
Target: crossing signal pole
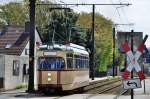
132, 49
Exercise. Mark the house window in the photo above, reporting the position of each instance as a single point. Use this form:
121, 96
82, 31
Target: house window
8, 46
26, 51
15, 68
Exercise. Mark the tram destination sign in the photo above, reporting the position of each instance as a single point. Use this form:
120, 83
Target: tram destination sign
132, 83
122, 36
49, 53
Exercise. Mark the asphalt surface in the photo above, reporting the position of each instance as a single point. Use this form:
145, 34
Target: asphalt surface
21, 94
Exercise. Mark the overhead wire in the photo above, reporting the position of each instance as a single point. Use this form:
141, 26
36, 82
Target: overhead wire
119, 15
125, 16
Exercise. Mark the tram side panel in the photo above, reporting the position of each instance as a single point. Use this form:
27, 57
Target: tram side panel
65, 80
74, 79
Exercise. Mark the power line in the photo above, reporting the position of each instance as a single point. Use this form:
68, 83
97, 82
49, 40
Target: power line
125, 17
104, 4
119, 15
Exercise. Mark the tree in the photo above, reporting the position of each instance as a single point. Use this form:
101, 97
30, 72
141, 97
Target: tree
62, 26
13, 13
103, 38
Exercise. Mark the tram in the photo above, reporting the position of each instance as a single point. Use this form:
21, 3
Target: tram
62, 67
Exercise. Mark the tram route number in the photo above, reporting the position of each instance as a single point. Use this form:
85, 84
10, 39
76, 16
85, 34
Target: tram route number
132, 83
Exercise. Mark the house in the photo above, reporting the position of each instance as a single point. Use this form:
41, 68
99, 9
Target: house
14, 55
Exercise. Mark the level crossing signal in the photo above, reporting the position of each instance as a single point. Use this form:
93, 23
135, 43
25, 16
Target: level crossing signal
133, 59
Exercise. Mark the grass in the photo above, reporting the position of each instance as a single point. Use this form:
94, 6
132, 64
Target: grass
112, 78
21, 86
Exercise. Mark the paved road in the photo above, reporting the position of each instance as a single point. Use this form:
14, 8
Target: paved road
21, 94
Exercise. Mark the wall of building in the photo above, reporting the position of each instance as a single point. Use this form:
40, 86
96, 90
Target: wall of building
2, 67
37, 39
25, 51
11, 80
2, 71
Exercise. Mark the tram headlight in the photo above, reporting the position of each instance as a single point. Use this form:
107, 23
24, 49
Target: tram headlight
49, 74
49, 79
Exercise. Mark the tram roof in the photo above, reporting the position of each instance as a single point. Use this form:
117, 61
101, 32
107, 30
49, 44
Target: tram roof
68, 47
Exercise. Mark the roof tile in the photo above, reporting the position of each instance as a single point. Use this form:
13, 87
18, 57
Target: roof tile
16, 36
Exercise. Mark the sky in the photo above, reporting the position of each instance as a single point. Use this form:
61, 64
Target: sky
136, 14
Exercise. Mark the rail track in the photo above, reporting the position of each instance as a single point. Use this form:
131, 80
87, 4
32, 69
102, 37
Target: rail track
106, 86
103, 87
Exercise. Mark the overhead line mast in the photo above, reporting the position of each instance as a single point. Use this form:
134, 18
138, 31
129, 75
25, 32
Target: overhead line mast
31, 46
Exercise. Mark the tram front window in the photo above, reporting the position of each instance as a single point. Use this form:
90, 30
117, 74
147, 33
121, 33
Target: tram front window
51, 63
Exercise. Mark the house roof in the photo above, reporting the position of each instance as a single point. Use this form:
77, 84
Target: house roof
13, 39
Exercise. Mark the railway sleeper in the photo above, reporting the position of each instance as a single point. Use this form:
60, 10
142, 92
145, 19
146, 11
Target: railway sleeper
100, 84
103, 88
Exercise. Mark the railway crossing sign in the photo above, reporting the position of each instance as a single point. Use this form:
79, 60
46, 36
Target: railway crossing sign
132, 84
134, 59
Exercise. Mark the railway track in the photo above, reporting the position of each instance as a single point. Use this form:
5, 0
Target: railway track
113, 86
103, 87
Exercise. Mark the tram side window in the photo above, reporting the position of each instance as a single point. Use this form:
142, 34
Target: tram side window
84, 62
81, 61
69, 60
76, 61
87, 62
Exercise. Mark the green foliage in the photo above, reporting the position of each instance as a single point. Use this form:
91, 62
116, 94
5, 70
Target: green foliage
13, 13
103, 38
21, 86
60, 25
113, 78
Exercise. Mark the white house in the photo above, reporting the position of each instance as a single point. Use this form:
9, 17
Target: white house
14, 55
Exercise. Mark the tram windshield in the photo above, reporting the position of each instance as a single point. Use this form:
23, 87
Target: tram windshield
48, 63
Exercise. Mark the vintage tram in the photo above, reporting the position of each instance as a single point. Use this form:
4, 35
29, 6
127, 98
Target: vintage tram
62, 67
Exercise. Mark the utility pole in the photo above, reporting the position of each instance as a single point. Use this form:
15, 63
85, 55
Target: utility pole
31, 51
114, 45
92, 66
132, 49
